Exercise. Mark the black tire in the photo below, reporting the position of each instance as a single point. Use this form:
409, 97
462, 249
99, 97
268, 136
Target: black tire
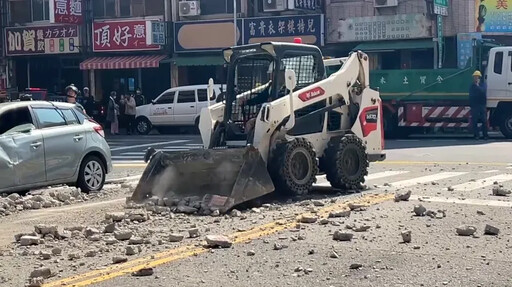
294, 167
143, 126
506, 125
91, 166
346, 162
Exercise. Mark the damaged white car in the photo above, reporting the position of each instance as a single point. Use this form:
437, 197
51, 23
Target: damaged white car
44, 143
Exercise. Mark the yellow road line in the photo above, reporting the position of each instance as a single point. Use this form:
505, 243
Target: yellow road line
405, 162
167, 256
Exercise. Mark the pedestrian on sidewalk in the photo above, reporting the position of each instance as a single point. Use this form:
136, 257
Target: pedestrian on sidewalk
130, 111
478, 105
113, 114
139, 98
89, 103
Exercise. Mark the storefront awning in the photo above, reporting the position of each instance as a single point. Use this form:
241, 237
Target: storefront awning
394, 45
199, 61
124, 62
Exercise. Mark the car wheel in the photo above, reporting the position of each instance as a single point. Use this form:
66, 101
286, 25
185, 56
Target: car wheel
92, 174
143, 126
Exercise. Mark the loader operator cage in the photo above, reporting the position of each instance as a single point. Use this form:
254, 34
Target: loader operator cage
253, 68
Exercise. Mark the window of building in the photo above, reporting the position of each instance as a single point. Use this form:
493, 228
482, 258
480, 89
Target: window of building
40, 10
154, 7
212, 7
19, 12
127, 8
104, 8
498, 63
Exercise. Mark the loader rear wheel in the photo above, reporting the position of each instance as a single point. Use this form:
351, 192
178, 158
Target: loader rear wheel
294, 167
346, 162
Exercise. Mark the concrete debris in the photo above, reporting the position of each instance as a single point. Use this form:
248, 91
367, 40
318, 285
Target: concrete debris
73, 256
342, 236
139, 216
479, 212
430, 213
407, 236
317, 203
450, 188
356, 206
13, 197
56, 251
176, 237
29, 240
45, 229
43, 272
119, 259
90, 253
45, 255
419, 210
235, 213
63, 234
308, 218
185, 209
361, 228
18, 236
75, 228
279, 246
193, 233
35, 282
334, 255
498, 190
311, 251
465, 230
218, 241
324, 221
215, 213
143, 272
356, 265
110, 228
251, 253
123, 234
131, 250
298, 269
136, 241
110, 241
342, 213
403, 196
491, 230
115, 216
89, 231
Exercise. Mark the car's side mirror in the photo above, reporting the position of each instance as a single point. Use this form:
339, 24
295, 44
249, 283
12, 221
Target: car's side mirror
153, 102
291, 83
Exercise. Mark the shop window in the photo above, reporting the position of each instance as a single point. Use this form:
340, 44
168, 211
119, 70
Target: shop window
19, 12
40, 10
186, 96
390, 60
422, 59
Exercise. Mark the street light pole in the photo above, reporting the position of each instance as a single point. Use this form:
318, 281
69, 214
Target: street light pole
234, 22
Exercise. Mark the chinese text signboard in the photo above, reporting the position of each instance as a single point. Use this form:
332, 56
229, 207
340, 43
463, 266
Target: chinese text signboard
465, 47
66, 11
396, 27
209, 35
155, 33
305, 5
57, 39
285, 29
493, 16
441, 7
121, 36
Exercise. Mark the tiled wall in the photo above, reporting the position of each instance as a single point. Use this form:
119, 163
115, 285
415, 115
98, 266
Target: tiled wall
460, 20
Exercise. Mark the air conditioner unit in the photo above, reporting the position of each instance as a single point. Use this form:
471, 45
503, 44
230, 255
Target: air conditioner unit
274, 5
385, 3
189, 8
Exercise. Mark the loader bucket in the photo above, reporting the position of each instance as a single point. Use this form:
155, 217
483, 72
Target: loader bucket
220, 178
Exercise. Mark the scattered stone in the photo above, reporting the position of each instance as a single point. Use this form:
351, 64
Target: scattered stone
311, 251
29, 240
89, 231
406, 236
356, 265
63, 195
75, 228
278, 246
110, 228
430, 213
308, 270
131, 250
343, 213
193, 232
215, 213
450, 188
403, 196
298, 269
419, 210
143, 272
465, 230
119, 259
44, 229
136, 241
14, 196
56, 251
186, 209
63, 234
416, 247
440, 216
73, 256
115, 216
324, 221
317, 203
334, 255
110, 241
491, 230
90, 253
123, 234
479, 212
498, 190
361, 228
176, 237
308, 218
356, 206
36, 205
43, 272
218, 241
342, 236
35, 282
45, 255
235, 213
251, 253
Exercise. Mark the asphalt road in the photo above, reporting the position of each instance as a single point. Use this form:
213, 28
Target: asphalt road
453, 176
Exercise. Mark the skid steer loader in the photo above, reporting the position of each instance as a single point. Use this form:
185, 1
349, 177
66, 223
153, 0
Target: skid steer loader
263, 137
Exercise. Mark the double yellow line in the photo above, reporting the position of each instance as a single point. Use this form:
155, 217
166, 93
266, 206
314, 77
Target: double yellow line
171, 255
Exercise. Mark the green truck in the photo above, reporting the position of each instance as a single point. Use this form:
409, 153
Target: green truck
425, 100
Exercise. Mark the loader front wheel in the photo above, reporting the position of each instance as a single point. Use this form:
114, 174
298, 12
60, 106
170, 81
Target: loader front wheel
294, 167
346, 162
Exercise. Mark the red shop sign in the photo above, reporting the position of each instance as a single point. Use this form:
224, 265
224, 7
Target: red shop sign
66, 11
121, 36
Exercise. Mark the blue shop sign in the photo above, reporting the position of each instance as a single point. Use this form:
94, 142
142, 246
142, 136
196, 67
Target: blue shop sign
285, 28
